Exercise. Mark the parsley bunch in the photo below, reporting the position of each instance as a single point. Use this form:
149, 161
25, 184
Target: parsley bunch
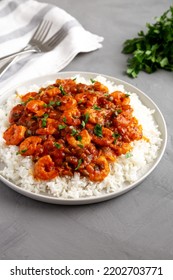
153, 49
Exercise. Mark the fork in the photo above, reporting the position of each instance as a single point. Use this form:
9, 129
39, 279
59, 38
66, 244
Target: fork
37, 43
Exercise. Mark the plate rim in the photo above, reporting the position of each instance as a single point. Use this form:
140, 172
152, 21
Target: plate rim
93, 199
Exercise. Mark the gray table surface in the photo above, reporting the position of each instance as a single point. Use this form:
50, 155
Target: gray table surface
136, 225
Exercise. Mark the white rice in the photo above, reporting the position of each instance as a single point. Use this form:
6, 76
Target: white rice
124, 171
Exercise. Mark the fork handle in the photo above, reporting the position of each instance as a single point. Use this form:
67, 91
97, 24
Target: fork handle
6, 66
23, 51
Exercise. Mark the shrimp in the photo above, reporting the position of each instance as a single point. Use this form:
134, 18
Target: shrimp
52, 91
95, 116
119, 97
121, 148
89, 99
67, 102
66, 86
106, 139
14, 134
71, 117
36, 106
49, 126
44, 169
65, 82
30, 145
121, 121
55, 150
16, 113
130, 132
81, 140
98, 169
28, 96
100, 87
49, 94
109, 154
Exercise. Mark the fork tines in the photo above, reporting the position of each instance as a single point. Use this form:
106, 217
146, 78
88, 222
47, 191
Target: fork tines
42, 30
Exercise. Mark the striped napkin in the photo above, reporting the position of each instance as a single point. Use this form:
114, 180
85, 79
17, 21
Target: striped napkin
18, 21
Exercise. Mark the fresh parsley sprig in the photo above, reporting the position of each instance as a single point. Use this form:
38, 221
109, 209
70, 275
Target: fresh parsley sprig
152, 50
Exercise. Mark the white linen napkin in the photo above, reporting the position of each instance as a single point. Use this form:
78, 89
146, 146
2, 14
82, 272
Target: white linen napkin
18, 21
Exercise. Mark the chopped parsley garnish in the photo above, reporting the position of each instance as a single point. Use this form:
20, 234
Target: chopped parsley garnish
116, 136
21, 152
58, 103
44, 120
79, 164
57, 145
83, 124
117, 112
98, 130
128, 155
95, 107
61, 126
73, 132
92, 81
63, 92
51, 103
80, 145
86, 118
79, 138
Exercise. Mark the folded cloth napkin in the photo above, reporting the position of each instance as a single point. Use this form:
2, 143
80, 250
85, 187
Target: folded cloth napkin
18, 21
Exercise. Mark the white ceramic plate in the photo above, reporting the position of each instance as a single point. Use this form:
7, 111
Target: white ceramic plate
128, 87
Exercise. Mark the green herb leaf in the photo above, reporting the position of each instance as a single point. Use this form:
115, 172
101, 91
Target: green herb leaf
86, 118
79, 138
21, 152
44, 120
57, 145
98, 130
58, 103
95, 107
51, 103
73, 132
117, 112
61, 126
63, 92
79, 164
80, 145
116, 135
151, 50
83, 124
128, 155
